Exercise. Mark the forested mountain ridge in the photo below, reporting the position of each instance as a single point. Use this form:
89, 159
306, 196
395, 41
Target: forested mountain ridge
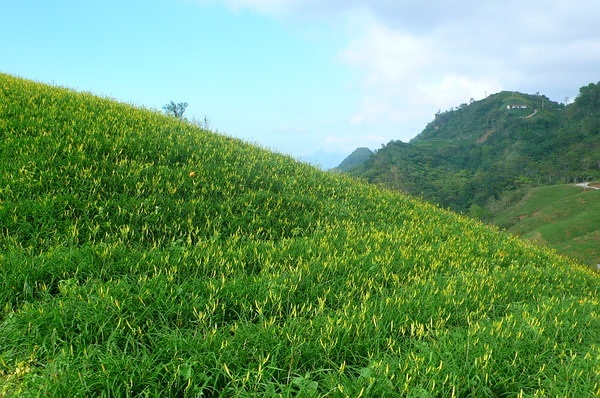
467, 156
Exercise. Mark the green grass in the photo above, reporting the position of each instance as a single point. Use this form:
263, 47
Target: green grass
565, 217
143, 256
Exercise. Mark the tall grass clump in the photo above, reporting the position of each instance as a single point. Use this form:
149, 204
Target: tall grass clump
143, 256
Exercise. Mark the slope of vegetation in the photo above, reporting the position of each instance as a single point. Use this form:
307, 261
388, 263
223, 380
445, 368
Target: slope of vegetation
469, 156
143, 256
565, 217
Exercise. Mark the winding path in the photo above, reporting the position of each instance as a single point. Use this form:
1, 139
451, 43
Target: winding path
586, 185
535, 111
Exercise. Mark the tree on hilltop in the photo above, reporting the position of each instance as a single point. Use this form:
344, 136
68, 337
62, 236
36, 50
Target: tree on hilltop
174, 109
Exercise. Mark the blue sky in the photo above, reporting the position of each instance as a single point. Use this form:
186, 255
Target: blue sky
305, 77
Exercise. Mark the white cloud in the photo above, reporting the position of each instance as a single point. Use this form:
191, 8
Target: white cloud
389, 56
414, 57
374, 109
453, 90
407, 77
466, 51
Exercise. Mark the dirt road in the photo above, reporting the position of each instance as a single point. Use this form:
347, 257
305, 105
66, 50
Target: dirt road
586, 185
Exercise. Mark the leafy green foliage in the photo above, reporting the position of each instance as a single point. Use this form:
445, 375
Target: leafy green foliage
143, 256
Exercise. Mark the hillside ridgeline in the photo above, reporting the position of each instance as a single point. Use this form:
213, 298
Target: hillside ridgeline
467, 157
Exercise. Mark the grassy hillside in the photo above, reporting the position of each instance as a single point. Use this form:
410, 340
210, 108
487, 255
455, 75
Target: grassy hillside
143, 256
565, 217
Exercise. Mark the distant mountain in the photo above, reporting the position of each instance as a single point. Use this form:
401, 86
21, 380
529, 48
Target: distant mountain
323, 159
467, 156
355, 159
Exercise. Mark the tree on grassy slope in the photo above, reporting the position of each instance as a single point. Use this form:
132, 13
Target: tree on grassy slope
174, 109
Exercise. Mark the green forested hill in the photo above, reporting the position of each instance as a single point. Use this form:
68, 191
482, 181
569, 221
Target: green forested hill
143, 256
468, 156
